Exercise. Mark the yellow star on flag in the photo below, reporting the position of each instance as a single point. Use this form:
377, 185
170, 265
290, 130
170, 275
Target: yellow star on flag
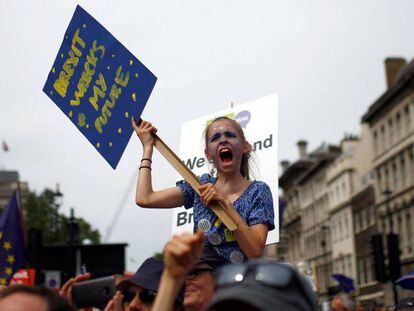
1, 234
8, 270
7, 245
3, 281
10, 259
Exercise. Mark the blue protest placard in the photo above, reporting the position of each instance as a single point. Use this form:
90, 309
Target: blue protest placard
99, 85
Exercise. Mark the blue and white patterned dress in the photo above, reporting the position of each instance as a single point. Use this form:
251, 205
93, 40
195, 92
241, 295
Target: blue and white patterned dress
255, 206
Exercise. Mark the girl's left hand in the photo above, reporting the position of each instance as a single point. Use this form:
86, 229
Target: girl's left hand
209, 193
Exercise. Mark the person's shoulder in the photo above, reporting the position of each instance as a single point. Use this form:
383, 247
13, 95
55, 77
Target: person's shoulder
261, 186
206, 178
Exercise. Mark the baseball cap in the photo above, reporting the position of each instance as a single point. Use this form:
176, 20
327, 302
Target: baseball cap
148, 276
211, 258
262, 285
405, 304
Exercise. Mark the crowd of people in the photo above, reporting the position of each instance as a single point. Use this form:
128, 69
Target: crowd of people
212, 268
190, 277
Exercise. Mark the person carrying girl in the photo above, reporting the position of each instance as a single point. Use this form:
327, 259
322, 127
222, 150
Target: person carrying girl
227, 148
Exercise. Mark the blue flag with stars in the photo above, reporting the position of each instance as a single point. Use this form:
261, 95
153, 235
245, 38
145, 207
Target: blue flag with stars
99, 85
12, 256
345, 283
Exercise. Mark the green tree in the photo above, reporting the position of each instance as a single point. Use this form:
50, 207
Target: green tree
40, 212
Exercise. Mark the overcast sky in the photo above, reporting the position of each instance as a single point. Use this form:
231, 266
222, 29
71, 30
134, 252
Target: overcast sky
324, 58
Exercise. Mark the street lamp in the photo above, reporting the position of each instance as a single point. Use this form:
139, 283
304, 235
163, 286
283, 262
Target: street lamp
58, 201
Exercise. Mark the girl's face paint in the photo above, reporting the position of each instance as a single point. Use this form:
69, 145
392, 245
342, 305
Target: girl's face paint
224, 146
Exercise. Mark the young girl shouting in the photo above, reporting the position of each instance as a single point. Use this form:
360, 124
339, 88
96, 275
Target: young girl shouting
226, 147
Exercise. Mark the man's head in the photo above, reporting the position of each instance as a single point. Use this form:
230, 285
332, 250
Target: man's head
200, 283
342, 302
140, 290
262, 285
24, 298
405, 304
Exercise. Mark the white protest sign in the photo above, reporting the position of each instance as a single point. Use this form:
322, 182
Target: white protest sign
259, 120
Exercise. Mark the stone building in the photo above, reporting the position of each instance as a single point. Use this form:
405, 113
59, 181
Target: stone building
391, 125
305, 228
9, 182
340, 179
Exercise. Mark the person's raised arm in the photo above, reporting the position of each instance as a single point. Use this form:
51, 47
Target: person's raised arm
251, 239
145, 195
181, 254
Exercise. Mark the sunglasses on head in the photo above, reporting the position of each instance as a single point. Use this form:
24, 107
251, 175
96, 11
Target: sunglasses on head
267, 273
145, 295
197, 271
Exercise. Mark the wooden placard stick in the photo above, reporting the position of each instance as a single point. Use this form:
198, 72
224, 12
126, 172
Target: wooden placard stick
226, 215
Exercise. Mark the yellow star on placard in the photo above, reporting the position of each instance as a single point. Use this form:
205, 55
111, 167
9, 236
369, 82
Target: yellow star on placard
10, 259
7, 245
3, 281
8, 270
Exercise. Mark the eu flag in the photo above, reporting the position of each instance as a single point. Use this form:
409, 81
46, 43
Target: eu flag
345, 283
12, 255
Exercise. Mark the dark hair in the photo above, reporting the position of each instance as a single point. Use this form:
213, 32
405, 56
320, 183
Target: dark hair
244, 167
53, 300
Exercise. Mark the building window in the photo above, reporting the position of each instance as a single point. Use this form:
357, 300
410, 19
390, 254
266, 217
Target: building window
357, 222
383, 137
371, 211
361, 271
368, 269
407, 118
403, 171
386, 178
375, 134
409, 231
398, 125
346, 227
384, 225
390, 131
364, 222
379, 176
400, 231
395, 175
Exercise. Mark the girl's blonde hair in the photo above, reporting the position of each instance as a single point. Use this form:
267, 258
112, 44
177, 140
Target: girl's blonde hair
244, 167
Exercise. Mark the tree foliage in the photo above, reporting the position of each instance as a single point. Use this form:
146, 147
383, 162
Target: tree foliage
41, 212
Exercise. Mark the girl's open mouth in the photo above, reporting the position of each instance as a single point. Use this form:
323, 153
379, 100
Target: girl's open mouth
226, 155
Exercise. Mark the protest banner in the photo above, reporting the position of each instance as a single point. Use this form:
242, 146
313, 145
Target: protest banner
259, 120
99, 85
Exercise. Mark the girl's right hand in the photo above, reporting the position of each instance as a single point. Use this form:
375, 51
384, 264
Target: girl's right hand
144, 130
